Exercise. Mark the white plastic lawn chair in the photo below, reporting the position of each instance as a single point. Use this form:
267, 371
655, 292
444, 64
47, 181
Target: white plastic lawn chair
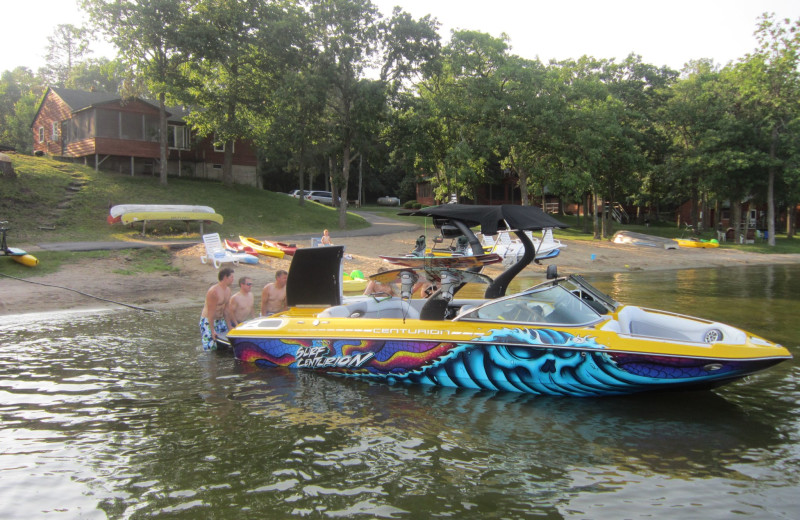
216, 253
548, 240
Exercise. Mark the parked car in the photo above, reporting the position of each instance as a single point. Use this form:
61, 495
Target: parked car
296, 193
388, 201
323, 197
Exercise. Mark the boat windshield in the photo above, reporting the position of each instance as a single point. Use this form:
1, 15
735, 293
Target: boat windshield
550, 304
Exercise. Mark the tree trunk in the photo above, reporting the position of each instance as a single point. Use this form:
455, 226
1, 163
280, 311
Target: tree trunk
747, 220
523, 185
162, 137
595, 222
227, 163
343, 189
736, 220
790, 223
771, 188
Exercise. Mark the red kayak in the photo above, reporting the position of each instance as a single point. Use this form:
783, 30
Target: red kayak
287, 249
238, 247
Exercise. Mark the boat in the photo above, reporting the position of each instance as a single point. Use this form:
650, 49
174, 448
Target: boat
261, 247
18, 255
642, 239
561, 336
116, 212
288, 249
511, 250
185, 216
238, 247
696, 242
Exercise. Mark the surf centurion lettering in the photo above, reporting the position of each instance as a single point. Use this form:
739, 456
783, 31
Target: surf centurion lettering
316, 357
409, 332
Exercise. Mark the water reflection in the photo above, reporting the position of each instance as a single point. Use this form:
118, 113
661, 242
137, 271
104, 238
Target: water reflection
122, 416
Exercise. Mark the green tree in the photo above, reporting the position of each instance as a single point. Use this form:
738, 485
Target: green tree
20, 92
148, 35
65, 48
236, 51
769, 85
352, 39
100, 74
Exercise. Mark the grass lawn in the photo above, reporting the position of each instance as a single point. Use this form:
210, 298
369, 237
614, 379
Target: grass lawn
53, 201
41, 207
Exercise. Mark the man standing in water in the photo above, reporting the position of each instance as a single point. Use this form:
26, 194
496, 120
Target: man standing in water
273, 297
213, 319
241, 305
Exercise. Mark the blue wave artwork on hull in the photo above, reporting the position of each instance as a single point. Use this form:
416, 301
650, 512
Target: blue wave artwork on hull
493, 364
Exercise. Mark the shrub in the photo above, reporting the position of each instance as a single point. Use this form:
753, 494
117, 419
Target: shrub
409, 204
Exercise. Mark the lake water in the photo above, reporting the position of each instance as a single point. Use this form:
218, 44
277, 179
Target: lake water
120, 415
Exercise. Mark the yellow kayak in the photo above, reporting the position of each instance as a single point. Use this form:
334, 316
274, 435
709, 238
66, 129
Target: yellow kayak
139, 216
29, 260
261, 248
694, 242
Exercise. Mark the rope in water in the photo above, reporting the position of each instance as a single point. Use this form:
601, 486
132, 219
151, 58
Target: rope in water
79, 292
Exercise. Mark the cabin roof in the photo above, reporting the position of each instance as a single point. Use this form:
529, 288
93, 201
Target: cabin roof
78, 100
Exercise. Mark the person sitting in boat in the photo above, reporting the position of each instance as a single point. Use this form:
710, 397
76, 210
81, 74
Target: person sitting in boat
424, 289
213, 318
376, 287
240, 307
273, 296
326, 238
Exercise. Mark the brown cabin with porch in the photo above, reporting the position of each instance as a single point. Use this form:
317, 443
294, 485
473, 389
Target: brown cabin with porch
106, 131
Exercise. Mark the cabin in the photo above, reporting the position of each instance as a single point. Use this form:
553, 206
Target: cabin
116, 134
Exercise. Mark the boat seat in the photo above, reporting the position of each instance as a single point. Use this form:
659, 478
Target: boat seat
372, 308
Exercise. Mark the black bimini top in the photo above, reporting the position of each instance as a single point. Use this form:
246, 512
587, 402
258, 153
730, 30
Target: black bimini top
492, 218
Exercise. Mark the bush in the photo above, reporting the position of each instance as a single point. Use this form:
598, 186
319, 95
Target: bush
417, 205
410, 204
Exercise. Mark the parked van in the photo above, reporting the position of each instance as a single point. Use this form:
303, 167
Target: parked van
323, 197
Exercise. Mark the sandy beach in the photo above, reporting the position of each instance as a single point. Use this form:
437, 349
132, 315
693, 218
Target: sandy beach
187, 286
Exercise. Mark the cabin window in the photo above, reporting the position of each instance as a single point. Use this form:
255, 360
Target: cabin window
178, 137
54, 131
107, 124
41, 134
216, 166
151, 125
131, 126
220, 146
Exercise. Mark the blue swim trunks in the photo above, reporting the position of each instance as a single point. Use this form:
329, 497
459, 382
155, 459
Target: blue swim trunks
205, 332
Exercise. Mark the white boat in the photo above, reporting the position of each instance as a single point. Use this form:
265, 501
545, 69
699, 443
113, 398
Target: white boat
121, 209
512, 249
641, 239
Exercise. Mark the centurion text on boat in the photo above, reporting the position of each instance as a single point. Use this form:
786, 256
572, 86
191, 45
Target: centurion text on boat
560, 337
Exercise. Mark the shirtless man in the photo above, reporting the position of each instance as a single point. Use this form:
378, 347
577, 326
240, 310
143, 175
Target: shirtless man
240, 307
213, 317
273, 297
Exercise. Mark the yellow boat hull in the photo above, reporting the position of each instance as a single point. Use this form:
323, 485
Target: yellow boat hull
685, 242
262, 249
141, 216
29, 260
